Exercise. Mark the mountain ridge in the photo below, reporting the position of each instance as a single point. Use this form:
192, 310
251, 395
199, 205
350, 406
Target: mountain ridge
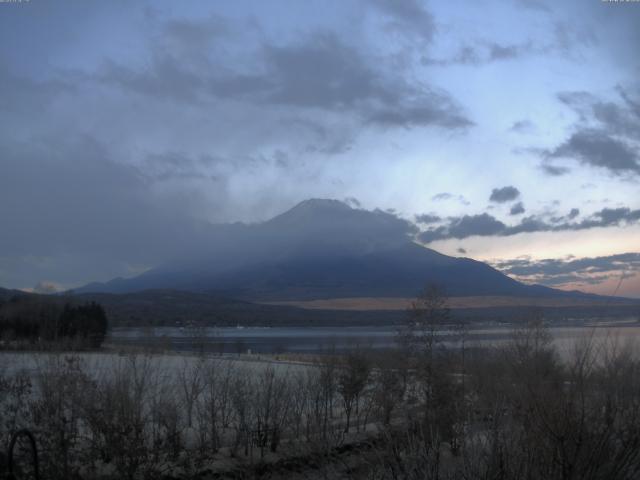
322, 249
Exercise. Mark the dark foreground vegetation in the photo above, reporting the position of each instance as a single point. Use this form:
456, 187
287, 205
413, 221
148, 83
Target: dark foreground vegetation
422, 412
28, 320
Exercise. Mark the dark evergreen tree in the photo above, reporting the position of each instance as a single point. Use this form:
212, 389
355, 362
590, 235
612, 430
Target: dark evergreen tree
36, 318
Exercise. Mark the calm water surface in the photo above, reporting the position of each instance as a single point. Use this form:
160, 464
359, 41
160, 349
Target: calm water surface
326, 339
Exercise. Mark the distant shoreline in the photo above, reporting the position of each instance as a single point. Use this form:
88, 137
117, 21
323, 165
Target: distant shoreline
400, 303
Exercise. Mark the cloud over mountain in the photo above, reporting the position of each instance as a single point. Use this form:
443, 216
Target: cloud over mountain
585, 271
487, 225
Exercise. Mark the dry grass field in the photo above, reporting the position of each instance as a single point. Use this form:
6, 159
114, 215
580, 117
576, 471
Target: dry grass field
395, 303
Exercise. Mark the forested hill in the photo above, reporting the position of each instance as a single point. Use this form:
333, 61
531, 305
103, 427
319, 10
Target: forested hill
32, 318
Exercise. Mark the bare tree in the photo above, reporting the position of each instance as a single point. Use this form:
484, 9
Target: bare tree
352, 380
16, 389
119, 417
215, 409
422, 339
426, 317
241, 389
56, 412
389, 392
191, 384
272, 403
299, 402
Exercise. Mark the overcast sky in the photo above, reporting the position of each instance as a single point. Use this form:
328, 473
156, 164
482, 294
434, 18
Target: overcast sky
507, 130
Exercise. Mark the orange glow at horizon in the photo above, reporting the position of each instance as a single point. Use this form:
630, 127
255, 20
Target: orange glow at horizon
597, 242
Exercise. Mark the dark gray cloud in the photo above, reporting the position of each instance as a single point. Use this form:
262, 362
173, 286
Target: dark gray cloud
318, 71
427, 218
487, 225
606, 136
116, 157
504, 194
572, 215
597, 148
615, 118
517, 209
463, 227
73, 210
461, 250
321, 72
612, 216
483, 224
78, 215
554, 271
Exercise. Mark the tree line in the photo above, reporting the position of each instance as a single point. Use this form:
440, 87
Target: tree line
31, 319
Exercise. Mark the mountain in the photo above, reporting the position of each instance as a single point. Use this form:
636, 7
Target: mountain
6, 294
322, 249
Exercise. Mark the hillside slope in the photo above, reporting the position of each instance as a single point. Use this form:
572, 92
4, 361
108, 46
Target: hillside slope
322, 249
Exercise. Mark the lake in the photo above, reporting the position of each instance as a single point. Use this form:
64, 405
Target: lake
329, 339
